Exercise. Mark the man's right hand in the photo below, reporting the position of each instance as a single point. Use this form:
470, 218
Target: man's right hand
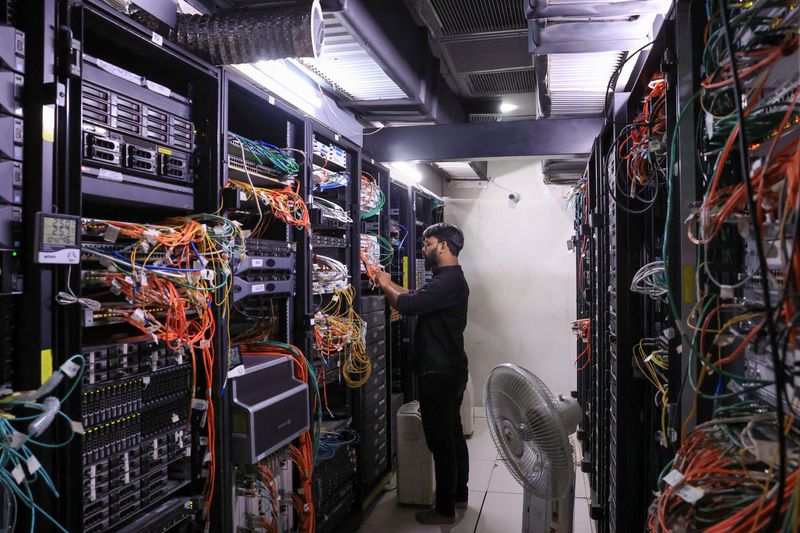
382, 279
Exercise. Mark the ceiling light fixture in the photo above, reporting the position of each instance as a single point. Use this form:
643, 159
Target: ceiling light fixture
507, 107
285, 82
407, 171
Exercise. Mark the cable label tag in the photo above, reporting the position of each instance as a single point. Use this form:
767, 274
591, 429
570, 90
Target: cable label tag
18, 474
200, 405
18, 439
70, 368
175, 419
111, 234
77, 427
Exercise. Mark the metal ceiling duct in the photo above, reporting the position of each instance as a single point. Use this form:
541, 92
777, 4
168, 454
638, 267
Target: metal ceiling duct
563, 172
249, 36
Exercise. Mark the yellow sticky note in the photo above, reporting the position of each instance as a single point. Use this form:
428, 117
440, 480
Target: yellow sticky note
47, 364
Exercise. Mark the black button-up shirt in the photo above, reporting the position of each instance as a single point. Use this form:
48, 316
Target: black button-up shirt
441, 306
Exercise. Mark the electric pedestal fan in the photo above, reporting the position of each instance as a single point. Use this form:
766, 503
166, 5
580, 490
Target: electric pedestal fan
531, 429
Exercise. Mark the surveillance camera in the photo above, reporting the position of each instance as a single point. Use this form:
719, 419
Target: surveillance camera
514, 197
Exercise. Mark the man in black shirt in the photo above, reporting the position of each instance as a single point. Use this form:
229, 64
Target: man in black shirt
440, 363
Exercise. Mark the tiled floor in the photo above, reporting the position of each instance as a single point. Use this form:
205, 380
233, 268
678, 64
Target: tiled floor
495, 498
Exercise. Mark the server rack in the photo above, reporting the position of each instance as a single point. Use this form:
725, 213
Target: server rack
375, 398
181, 101
649, 336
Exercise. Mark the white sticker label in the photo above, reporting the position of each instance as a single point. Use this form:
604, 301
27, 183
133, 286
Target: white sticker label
155, 449
259, 287
126, 467
160, 89
92, 483
175, 418
159, 40
271, 100
119, 72
258, 263
110, 175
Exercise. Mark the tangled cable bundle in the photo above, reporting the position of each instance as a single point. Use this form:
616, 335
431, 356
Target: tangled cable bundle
331, 210
24, 419
372, 197
286, 204
723, 477
644, 147
171, 276
376, 253
325, 179
268, 154
340, 332
745, 462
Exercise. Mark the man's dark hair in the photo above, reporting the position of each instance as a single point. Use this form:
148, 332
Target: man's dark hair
448, 233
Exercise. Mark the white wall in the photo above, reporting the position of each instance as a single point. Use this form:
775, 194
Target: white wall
520, 273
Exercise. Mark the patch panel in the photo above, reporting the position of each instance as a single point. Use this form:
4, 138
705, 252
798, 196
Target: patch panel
328, 241
331, 153
262, 284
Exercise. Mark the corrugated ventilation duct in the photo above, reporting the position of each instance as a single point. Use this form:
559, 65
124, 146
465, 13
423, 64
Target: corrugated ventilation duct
253, 35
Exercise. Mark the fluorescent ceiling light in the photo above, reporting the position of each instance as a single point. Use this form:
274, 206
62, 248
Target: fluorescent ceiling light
407, 171
285, 82
507, 107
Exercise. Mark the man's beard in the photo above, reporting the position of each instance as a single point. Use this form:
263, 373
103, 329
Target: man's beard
430, 260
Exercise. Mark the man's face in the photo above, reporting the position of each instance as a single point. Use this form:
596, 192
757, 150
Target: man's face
430, 250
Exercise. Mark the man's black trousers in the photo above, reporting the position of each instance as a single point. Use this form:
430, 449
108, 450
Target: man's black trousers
440, 397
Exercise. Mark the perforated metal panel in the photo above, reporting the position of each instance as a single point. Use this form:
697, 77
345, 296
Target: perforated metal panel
459, 17
505, 82
507, 51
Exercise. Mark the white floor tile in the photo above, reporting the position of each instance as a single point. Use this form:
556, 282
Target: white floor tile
480, 472
503, 481
481, 445
502, 513
389, 517
581, 521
